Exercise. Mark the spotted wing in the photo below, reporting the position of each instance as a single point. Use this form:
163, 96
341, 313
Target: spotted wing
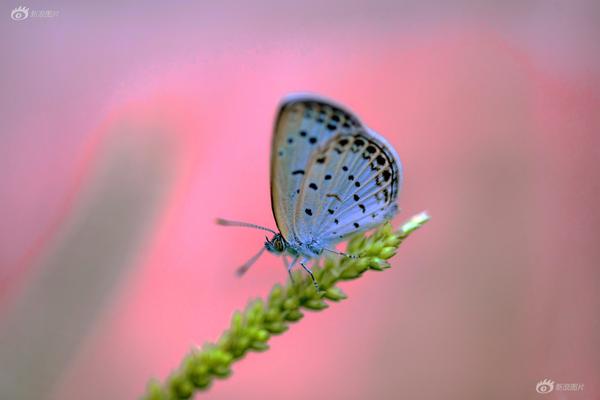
351, 185
304, 124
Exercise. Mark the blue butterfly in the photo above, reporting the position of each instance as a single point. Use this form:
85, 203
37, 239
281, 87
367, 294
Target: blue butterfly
331, 177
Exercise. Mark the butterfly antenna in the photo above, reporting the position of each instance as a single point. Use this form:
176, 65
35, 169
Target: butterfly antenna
242, 270
226, 222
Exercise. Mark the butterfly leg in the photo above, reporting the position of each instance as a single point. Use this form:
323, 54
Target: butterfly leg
289, 268
286, 262
303, 264
342, 254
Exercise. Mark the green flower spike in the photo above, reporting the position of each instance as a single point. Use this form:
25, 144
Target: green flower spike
251, 329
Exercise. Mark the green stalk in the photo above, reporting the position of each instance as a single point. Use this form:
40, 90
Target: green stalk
251, 329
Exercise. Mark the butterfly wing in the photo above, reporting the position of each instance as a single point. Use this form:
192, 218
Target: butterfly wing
351, 185
304, 124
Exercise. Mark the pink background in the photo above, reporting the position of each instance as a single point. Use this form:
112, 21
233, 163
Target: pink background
127, 129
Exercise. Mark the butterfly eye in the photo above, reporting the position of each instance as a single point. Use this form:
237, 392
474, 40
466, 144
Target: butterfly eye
279, 244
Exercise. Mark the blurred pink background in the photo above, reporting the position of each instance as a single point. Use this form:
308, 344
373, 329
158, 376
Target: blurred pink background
127, 129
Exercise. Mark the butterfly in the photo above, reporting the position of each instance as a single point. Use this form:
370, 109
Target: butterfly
331, 177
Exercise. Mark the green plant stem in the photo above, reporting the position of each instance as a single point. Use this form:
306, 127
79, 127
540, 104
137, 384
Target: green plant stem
251, 329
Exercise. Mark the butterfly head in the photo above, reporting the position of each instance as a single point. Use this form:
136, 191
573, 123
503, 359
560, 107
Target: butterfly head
277, 245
